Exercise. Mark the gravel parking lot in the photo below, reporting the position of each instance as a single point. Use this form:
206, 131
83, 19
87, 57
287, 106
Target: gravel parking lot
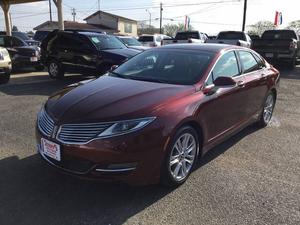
253, 178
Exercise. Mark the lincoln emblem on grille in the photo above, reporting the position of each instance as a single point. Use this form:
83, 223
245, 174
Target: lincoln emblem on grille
55, 129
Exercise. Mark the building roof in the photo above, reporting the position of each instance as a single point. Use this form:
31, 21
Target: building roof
109, 14
74, 26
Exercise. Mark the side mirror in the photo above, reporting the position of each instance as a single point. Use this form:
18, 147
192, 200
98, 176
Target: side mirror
113, 67
224, 81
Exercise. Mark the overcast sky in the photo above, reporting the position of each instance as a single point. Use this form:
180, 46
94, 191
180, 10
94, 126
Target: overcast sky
210, 16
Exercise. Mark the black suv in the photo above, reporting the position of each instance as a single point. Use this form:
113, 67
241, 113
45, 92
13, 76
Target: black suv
88, 53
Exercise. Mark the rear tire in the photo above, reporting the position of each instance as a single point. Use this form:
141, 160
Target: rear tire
181, 157
55, 70
268, 109
4, 78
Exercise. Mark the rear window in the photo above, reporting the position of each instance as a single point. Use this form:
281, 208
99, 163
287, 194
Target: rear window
146, 39
231, 35
187, 35
279, 34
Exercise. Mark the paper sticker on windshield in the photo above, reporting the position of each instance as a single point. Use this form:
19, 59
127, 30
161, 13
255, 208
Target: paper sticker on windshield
95, 40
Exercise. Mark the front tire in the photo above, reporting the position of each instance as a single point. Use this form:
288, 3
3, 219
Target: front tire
55, 70
4, 78
268, 109
181, 157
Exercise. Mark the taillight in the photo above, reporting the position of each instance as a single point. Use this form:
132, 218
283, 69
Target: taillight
293, 45
153, 44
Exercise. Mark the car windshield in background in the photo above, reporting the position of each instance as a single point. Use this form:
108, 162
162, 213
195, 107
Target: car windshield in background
279, 34
183, 67
146, 39
231, 35
187, 35
131, 42
40, 35
103, 42
21, 35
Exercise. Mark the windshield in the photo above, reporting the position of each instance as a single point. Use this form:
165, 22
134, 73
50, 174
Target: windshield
146, 38
21, 35
279, 34
231, 35
40, 35
103, 42
183, 67
130, 42
187, 35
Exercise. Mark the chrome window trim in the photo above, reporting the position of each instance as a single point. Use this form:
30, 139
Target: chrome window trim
239, 76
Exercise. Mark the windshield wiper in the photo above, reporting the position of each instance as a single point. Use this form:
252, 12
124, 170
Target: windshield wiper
147, 79
118, 74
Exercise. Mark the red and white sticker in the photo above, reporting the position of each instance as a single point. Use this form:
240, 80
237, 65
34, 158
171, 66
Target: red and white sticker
51, 149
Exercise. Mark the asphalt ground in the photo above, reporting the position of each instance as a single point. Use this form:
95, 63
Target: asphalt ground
253, 178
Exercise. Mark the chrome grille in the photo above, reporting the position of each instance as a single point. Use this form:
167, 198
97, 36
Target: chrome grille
45, 123
80, 133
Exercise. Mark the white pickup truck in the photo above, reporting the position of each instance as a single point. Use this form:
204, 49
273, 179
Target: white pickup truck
233, 38
186, 37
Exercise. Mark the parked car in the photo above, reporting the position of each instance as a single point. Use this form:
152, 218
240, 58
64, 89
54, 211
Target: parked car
150, 119
152, 40
5, 66
186, 37
82, 52
238, 38
132, 42
22, 55
40, 35
279, 45
23, 36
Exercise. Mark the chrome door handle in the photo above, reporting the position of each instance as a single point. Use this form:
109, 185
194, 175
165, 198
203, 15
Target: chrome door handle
241, 83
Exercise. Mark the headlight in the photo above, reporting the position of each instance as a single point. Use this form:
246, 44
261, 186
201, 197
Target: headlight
124, 127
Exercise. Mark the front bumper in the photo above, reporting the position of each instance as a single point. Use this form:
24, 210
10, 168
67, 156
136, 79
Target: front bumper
26, 61
135, 160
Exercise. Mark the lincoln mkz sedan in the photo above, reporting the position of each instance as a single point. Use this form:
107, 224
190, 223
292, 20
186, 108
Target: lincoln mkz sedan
150, 119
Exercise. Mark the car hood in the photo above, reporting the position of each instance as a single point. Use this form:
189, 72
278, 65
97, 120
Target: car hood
110, 98
125, 52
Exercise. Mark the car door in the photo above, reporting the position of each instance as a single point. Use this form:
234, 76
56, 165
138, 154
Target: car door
84, 53
223, 108
255, 77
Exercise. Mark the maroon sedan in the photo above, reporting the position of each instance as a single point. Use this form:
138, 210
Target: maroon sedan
150, 119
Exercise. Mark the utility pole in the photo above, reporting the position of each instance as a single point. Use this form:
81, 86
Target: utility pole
160, 20
74, 14
50, 10
245, 15
149, 18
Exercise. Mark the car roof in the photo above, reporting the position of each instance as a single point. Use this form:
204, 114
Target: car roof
89, 33
201, 47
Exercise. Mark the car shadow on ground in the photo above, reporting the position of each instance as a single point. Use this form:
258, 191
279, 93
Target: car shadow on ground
33, 193
38, 85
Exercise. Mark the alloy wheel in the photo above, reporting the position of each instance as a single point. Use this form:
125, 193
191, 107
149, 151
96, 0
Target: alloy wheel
53, 69
182, 156
268, 109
